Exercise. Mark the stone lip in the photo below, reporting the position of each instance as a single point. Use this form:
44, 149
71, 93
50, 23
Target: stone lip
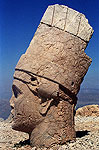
69, 20
89, 110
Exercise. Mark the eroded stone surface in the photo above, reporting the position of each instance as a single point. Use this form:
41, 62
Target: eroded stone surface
85, 30
59, 16
47, 79
72, 21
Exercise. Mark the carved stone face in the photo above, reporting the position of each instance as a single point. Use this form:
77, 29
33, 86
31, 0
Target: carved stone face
30, 100
25, 105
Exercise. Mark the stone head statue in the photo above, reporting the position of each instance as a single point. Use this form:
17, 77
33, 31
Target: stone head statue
47, 77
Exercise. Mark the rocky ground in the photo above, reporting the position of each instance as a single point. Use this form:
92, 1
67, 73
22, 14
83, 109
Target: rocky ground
87, 130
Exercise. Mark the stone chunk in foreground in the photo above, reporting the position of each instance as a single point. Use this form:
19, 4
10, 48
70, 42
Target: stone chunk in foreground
89, 110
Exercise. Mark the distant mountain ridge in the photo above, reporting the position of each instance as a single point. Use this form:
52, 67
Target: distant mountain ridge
4, 108
88, 96
87, 90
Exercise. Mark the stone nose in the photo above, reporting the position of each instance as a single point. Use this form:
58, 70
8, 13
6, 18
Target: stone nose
12, 102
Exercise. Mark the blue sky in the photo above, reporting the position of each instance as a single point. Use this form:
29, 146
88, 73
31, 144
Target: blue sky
19, 20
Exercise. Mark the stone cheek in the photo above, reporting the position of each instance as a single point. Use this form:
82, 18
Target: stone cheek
55, 129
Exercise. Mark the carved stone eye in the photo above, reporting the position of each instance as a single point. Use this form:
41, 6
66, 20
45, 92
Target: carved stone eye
33, 78
16, 91
72, 83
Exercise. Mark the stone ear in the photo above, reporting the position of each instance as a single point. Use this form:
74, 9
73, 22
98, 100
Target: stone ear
45, 106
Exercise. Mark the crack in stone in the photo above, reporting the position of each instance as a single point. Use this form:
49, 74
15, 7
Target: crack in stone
53, 15
79, 25
65, 19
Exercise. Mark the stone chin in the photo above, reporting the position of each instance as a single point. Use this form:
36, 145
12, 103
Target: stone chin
23, 125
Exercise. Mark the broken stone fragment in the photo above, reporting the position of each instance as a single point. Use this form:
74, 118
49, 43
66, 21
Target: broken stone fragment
88, 110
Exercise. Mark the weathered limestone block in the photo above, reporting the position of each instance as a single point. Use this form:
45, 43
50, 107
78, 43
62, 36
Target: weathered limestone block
47, 77
85, 30
68, 20
47, 18
72, 21
88, 110
59, 16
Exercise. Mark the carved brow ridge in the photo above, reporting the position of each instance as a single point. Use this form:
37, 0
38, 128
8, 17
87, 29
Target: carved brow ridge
25, 82
31, 74
63, 88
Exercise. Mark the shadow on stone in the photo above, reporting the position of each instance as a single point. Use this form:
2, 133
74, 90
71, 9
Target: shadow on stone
80, 134
22, 143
